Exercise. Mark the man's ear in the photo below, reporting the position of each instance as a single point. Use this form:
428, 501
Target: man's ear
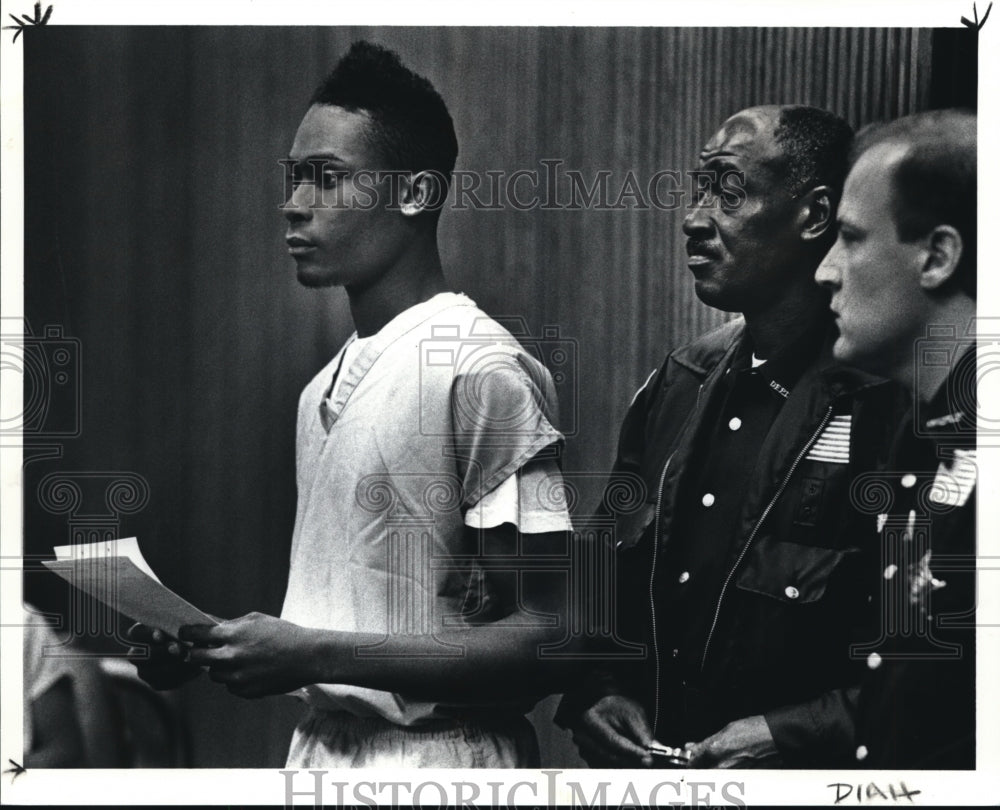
423, 191
816, 212
944, 251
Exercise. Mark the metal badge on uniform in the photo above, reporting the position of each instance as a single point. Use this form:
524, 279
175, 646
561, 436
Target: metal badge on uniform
777, 386
943, 421
834, 443
923, 582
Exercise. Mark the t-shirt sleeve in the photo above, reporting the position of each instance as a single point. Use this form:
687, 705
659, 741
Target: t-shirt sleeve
503, 406
533, 499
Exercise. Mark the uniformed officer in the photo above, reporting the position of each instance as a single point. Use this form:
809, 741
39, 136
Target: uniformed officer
903, 278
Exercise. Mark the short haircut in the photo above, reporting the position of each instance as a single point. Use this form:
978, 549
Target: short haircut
934, 183
816, 144
411, 127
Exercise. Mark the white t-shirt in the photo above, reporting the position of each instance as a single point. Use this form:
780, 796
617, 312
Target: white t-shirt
522, 499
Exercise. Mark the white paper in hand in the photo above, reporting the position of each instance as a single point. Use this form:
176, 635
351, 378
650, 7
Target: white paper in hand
122, 547
116, 573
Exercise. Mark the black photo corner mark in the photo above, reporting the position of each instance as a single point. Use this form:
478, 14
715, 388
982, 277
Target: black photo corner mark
17, 770
975, 22
40, 19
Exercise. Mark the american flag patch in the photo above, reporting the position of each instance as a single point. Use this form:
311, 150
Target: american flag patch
834, 443
953, 485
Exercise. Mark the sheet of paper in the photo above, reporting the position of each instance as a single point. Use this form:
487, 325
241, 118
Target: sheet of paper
118, 582
122, 547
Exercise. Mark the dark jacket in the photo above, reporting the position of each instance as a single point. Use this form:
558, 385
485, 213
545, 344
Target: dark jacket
791, 604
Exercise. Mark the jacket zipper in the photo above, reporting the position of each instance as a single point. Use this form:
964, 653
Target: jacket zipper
763, 517
652, 577
652, 600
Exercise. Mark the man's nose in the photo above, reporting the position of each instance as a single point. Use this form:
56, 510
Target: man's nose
828, 272
697, 223
298, 206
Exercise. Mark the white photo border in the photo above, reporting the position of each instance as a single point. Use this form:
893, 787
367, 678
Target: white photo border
268, 787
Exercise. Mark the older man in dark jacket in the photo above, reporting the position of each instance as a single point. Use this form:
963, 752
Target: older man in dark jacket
741, 571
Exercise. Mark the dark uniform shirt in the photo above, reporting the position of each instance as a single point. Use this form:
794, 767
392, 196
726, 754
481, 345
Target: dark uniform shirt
917, 707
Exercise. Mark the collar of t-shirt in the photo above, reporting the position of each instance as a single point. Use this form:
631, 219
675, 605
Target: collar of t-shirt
352, 349
355, 345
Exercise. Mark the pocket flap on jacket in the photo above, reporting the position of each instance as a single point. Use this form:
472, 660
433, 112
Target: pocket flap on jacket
629, 527
789, 572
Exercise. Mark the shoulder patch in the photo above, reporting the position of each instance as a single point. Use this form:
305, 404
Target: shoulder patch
953, 484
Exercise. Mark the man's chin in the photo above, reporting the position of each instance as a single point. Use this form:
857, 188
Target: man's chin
710, 295
843, 351
308, 277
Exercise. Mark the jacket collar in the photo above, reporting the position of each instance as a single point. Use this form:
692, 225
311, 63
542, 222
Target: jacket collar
718, 348
783, 369
708, 351
952, 409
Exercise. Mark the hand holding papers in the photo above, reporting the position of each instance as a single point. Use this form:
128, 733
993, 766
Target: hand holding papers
115, 573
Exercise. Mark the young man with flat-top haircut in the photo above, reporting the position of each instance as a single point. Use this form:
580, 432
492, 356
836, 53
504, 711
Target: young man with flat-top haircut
903, 280
740, 574
425, 449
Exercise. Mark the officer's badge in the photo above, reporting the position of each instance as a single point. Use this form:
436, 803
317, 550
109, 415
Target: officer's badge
923, 582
